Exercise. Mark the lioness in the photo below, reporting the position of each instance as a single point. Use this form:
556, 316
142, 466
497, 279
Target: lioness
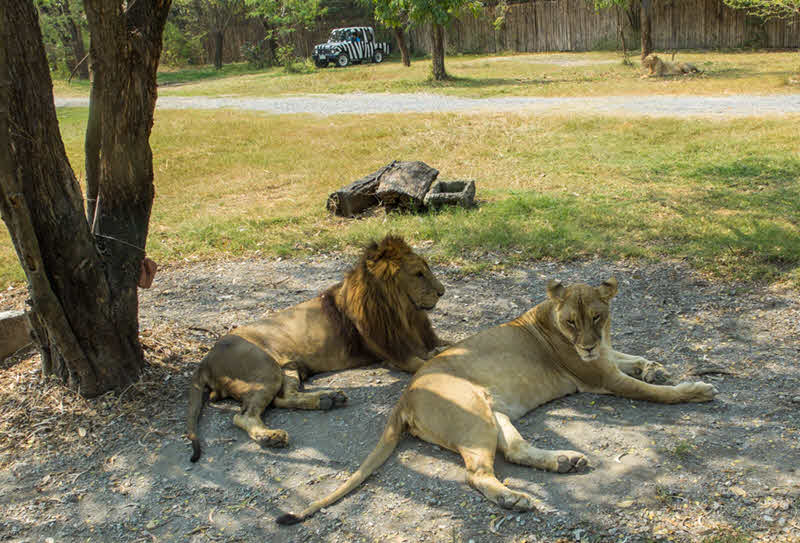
466, 397
659, 68
376, 313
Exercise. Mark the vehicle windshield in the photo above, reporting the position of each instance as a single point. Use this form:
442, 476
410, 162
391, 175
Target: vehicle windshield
338, 34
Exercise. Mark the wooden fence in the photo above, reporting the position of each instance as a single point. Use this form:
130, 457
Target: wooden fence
574, 25
558, 25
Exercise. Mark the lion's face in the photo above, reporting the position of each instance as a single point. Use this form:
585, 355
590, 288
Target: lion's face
582, 314
394, 262
418, 281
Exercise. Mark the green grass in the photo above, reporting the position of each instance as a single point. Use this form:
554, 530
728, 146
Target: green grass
528, 74
723, 195
193, 74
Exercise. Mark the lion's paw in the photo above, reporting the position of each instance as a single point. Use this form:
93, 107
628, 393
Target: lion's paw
655, 374
697, 392
517, 501
274, 439
329, 400
570, 462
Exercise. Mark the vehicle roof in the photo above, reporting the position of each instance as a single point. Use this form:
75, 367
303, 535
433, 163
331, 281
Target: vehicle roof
352, 28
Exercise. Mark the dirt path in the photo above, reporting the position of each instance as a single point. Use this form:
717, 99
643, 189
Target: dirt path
336, 104
117, 469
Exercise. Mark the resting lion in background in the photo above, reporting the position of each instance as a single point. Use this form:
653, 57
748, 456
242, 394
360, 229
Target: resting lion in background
466, 397
377, 313
659, 68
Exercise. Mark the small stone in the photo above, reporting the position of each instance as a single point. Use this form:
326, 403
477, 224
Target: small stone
796, 399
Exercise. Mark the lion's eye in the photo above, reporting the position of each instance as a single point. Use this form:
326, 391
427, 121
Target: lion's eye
596, 318
571, 323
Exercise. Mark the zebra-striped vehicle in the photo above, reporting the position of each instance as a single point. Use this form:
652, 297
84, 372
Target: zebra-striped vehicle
349, 45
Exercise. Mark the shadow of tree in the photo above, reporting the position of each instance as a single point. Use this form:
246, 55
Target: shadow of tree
689, 472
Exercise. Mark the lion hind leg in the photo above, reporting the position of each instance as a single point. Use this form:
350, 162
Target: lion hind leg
250, 421
517, 450
480, 475
290, 396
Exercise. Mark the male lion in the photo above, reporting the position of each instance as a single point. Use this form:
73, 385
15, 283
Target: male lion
659, 68
376, 313
466, 397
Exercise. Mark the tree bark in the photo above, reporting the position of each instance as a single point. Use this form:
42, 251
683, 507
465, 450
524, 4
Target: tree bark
437, 53
82, 287
219, 36
401, 44
647, 40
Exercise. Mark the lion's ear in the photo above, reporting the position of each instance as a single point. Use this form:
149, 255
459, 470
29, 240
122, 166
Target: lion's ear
555, 290
379, 257
608, 289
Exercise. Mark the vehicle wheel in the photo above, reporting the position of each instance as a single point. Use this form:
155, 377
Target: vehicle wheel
342, 60
378, 57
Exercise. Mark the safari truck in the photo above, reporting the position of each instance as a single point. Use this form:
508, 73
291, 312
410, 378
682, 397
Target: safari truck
354, 44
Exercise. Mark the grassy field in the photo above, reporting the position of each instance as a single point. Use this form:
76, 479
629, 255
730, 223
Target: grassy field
724, 195
540, 74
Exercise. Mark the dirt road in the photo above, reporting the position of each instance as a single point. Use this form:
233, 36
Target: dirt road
332, 104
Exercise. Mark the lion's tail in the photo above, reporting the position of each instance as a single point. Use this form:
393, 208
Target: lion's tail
387, 444
196, 401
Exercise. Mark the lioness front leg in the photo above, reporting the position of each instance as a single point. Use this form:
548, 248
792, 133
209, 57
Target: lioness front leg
641, 368
291, 397
628, 387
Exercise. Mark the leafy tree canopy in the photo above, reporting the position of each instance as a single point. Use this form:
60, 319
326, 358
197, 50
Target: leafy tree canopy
767, 9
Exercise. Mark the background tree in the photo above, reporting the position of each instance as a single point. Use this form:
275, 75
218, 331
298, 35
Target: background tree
212, 18
439, 13
768, 9
393, 14
183, 39
624, 12
82, 274
644, 27
63, 22
281, 18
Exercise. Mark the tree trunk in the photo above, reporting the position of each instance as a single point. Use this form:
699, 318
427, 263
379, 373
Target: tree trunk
401, 44
78, 50
218, 40
82, 287
437, 53
647, 40
621, 33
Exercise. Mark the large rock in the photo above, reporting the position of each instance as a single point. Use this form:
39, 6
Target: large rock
458, 193
396, 185
15, 332
404, 185
356, 197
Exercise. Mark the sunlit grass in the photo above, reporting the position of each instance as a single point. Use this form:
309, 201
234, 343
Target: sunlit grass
529, 74
723, 195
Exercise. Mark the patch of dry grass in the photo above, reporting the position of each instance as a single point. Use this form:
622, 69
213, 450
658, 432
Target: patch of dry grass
523, 74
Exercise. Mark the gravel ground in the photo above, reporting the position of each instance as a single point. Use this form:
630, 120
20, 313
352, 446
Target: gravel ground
117, 469
335, 104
